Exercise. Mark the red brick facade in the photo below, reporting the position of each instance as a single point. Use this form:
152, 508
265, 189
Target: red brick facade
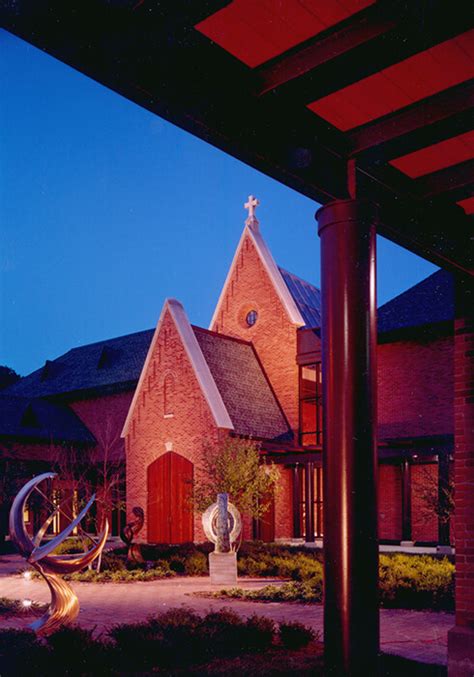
415, 386
464, 470
273, 335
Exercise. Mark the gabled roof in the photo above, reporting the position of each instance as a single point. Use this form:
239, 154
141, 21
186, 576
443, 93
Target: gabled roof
196, 358
428, 302
274, 274
96, 366
41, 420
306, 296
245, 389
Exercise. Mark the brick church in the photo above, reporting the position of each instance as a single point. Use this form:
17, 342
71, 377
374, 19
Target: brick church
151, 399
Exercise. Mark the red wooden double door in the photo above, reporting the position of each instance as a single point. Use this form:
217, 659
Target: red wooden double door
170, 489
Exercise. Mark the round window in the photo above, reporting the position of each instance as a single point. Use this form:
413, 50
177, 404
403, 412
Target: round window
251, 317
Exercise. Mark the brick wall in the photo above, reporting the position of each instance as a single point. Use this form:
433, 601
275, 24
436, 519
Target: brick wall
415, 386
390, 502
150, 431
273, 335
464, 470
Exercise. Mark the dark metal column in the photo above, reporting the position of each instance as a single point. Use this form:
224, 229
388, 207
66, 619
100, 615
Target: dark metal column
406, 500
351, 616
297, 501
443, 499
309, 502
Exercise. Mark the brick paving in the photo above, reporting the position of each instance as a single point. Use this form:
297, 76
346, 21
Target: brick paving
418, 635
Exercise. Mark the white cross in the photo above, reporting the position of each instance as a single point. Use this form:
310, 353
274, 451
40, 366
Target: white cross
251, 205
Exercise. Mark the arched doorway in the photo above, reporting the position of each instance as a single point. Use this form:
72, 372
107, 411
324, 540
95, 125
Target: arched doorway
170, 514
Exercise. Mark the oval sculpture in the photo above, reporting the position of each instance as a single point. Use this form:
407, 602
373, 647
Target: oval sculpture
64, 606
209, 519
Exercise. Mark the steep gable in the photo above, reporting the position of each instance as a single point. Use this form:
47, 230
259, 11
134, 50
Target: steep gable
252, 245
174, 311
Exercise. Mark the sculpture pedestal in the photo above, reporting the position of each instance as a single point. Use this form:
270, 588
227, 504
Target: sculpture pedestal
223, 568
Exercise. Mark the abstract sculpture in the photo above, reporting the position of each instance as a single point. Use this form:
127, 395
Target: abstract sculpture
222, 526
64, 606
128, 533
215, 518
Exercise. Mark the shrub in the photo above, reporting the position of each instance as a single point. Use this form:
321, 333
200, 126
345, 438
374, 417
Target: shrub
259, 633
295, 635
74, 651
416, 582
21, 653
14, 607
120, 576
196, 565
70, 546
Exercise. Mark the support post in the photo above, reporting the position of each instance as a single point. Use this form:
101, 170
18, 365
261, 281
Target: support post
443, 500
351, 616
309, 502
406, 500
297, 501
461, 636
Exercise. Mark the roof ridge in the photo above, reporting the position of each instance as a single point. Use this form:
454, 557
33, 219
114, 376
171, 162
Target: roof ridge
114, 338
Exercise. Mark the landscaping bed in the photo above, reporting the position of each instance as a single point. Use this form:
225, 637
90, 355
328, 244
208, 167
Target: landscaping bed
406, 581
16, 607
180, 642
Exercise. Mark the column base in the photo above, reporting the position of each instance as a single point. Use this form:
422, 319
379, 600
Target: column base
461, 651
407, 544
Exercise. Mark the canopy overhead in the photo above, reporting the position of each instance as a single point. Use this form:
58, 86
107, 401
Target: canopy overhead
336, 99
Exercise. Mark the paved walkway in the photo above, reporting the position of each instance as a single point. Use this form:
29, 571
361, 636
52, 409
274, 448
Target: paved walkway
419, 635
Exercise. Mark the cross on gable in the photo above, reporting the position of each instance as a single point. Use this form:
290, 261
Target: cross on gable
251, 205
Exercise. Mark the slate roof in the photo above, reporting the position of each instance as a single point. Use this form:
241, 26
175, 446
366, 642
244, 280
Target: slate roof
34, 419
94, 366
244, 387
306, 296
428, 302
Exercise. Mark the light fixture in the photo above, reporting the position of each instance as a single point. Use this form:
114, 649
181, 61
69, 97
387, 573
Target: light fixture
27, 603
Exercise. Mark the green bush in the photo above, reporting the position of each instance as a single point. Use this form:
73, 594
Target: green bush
71, 546
74, 651
21, 653
120, 575
296, 635
196, 565
416, 582
14, 607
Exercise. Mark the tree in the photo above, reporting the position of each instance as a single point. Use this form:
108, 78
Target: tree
8, 376
234, 467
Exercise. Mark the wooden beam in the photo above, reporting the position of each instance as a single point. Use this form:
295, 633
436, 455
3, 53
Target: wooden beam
415, 30
362, 28
422, 124
455, 182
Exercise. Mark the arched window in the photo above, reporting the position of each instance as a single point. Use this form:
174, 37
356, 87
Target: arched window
168, 395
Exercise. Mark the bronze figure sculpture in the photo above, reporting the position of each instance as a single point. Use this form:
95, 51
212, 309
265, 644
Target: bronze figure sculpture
130, 531
64, 606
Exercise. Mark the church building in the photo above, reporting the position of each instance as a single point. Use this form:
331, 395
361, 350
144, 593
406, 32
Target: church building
154, 398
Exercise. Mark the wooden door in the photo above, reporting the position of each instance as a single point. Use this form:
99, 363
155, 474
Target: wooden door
170, 515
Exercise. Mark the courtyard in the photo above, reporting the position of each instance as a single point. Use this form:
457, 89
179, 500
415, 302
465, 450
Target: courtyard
417, 635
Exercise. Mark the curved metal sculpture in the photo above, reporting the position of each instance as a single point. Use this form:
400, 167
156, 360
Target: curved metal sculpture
132, 529
64, 606
209, 523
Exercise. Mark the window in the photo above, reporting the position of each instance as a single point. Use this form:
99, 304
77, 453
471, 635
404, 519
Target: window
168, 393
310, 401
251, 317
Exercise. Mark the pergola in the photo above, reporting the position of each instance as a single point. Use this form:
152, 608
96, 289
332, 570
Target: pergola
367, 108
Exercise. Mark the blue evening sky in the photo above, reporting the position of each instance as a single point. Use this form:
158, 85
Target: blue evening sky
106, 209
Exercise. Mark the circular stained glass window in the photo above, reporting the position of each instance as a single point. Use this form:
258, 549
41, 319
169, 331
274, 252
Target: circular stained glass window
251, 317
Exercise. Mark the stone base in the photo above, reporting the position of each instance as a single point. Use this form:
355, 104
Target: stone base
223, 568
407, 544
461, 652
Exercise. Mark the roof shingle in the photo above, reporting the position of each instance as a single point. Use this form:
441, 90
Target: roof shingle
244, 387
